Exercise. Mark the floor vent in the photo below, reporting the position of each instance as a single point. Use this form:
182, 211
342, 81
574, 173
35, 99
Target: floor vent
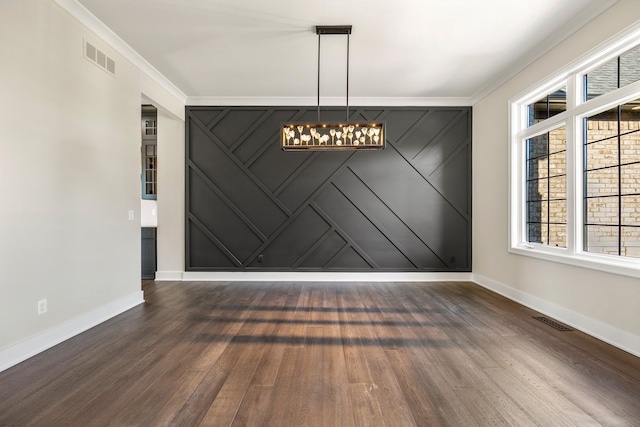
553, 324
99, 58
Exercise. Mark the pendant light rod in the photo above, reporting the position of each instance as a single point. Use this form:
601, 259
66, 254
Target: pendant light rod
339, 30
348, 34
318, 76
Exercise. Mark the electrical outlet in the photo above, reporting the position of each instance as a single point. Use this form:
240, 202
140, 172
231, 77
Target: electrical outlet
260, 259
42, 306
131, 215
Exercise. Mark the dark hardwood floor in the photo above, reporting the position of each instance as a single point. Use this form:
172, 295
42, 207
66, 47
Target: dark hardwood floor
324, 354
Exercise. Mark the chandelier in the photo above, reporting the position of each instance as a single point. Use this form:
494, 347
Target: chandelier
346, 135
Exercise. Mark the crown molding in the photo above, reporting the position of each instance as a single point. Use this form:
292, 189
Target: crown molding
89, 20
329, 101
557, 37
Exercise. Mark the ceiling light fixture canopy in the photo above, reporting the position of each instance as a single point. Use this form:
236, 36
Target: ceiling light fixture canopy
345, 135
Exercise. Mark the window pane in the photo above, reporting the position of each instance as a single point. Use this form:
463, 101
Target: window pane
538, 190
548, 234
558, 235
546, 188
631, 242
557, 140
602, 210
630, 175
602, 153
602, 182
538, 168
601, 239
537, 211
629, 70
538, 146
630, 147
150, 127
602, 125
630, 132
603, 79
537, 233
630, 210
548, 106
558, 187
558, 163
558, 212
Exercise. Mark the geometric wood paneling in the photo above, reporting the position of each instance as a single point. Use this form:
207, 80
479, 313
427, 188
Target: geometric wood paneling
251, 206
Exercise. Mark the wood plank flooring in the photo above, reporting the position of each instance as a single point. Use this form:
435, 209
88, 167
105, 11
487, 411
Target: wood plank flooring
324, 354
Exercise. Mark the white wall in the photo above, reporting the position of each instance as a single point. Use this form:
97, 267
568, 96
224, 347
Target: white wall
69, 175
606, 305
170, 196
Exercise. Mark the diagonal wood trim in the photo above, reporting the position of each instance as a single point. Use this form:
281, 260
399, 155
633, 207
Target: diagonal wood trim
337, 255
313, 247
275, 138
462, 214
397, 216
238, 163
413, 128
192, 218
250, 130
442, 132
217, 119
300, 209
344, 235
451, 156
379, 227
227, 201
301, 167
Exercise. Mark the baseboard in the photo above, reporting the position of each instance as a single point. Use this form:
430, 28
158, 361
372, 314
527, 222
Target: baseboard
22, 351
616, 337
168, 276
320, 276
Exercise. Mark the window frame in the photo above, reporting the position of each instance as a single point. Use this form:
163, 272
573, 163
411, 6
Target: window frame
577, 109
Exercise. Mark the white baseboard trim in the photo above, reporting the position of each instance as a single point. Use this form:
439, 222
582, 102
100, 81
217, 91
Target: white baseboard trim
17, 353
168, 276
320, 276
611, 335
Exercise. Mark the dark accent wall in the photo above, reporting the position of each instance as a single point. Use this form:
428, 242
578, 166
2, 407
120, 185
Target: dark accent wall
251, 206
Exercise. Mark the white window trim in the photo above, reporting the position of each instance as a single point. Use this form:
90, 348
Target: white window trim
572, 118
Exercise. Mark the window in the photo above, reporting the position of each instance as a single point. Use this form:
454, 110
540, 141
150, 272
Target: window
150, 170
552, 104
149, 153
575, 163
546, 188
612, 174
614, 74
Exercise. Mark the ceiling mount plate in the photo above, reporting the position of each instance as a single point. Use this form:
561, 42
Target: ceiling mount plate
333, 29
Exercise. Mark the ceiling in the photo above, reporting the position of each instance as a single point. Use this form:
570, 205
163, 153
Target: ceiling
407, 49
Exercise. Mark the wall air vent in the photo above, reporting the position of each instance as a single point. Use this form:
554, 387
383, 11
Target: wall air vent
99, 58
